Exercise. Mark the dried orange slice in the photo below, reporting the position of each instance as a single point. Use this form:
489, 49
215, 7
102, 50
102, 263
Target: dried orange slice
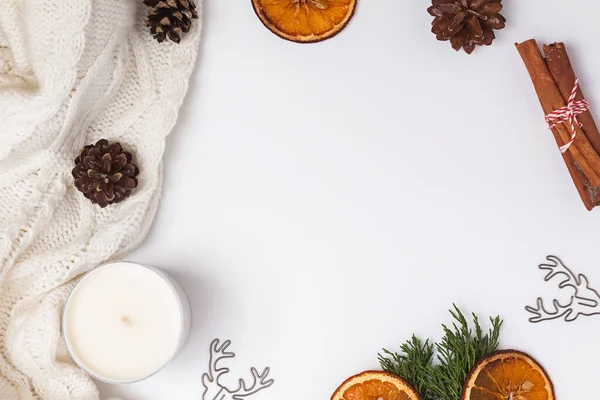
305, 21
375, 385
508, 374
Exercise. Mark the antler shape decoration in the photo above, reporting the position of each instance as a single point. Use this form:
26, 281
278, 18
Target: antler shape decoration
260, 382
584, 301
213, 390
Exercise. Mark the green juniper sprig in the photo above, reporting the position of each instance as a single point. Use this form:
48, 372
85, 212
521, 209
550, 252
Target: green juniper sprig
412, 364
457, 353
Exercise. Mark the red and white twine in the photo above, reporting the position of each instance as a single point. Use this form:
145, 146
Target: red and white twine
569, 114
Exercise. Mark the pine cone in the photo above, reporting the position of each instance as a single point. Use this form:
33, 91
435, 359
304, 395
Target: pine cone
168, 18
104, 173
466, 23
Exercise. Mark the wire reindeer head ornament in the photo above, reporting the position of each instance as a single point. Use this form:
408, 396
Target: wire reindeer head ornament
213, 390
584, 300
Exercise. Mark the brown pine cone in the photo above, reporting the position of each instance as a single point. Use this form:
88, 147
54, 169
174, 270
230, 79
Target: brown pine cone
466, 23
169, 18
104, 173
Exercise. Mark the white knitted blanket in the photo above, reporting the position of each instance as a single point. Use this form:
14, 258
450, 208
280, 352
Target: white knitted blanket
72, 72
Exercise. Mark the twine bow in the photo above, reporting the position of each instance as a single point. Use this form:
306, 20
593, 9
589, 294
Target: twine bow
569, 114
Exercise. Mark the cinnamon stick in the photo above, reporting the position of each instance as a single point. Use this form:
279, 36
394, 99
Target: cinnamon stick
562, 71
581, 184
581, 159
551, 99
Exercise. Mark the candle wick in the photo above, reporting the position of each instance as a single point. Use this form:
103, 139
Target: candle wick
125, 320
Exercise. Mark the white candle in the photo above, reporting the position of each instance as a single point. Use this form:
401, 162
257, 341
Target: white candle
124, 321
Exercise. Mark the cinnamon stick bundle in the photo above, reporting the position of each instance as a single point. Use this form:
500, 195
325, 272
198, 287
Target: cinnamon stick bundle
554, 78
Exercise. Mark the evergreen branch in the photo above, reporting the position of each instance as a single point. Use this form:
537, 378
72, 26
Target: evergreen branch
413, 364
457, 353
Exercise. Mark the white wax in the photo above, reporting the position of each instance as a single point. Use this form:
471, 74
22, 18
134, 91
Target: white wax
123, 322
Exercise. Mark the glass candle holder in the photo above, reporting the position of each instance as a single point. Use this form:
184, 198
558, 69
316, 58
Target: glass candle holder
123, 321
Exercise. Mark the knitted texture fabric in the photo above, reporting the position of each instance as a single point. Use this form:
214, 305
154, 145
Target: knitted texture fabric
72, 72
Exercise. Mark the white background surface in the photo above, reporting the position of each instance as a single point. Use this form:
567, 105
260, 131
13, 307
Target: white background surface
323, 201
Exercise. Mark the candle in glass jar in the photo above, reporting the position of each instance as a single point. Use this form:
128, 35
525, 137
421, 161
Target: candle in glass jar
124, 321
